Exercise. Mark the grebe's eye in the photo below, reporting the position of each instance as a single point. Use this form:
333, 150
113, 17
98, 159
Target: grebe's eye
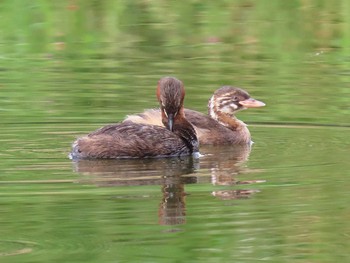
235, 98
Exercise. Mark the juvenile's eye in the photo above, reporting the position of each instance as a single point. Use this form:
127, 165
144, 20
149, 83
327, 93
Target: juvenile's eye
235, 98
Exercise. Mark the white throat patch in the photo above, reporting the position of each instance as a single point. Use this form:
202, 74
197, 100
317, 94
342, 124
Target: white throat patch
212, 112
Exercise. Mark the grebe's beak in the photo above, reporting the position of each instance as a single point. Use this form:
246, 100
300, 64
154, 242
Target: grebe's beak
251, 103
170, 121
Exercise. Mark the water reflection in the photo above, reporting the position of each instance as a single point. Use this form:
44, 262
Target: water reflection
225, 163
220, 164
172, 208
166, 172
135, 171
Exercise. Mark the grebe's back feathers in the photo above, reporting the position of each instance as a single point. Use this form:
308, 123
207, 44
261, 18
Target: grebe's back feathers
130, 140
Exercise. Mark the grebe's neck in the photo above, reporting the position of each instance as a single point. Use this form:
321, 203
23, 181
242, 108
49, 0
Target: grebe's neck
184, 129
228, 120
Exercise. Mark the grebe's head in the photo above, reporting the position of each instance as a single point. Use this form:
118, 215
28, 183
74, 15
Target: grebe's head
170, 94
229, 100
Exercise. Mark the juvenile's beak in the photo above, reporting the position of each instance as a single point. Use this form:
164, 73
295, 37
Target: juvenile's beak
251, 103
170, 121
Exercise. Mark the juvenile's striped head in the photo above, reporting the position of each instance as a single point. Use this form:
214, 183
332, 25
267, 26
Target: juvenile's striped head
228, 100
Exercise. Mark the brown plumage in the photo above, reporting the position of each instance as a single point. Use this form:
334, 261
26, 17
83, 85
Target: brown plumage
134, 140
220, 126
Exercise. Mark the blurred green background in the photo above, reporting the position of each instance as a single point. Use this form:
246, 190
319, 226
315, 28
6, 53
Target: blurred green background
63, 60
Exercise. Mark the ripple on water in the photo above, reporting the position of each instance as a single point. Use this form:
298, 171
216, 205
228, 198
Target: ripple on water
15, 247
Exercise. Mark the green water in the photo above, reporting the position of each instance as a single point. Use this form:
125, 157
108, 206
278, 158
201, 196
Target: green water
69, 67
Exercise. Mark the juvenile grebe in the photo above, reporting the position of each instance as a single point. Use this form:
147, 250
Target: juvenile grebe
134, 140
220, 126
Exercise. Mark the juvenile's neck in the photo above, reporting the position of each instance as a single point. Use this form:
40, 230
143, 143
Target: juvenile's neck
230, 122
238, 127
227, 120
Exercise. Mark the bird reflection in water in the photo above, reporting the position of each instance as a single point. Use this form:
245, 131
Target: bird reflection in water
170, 173
133, 172
172, 208
223, 164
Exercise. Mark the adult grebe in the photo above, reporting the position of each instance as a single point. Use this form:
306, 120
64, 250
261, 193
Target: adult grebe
134, 140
